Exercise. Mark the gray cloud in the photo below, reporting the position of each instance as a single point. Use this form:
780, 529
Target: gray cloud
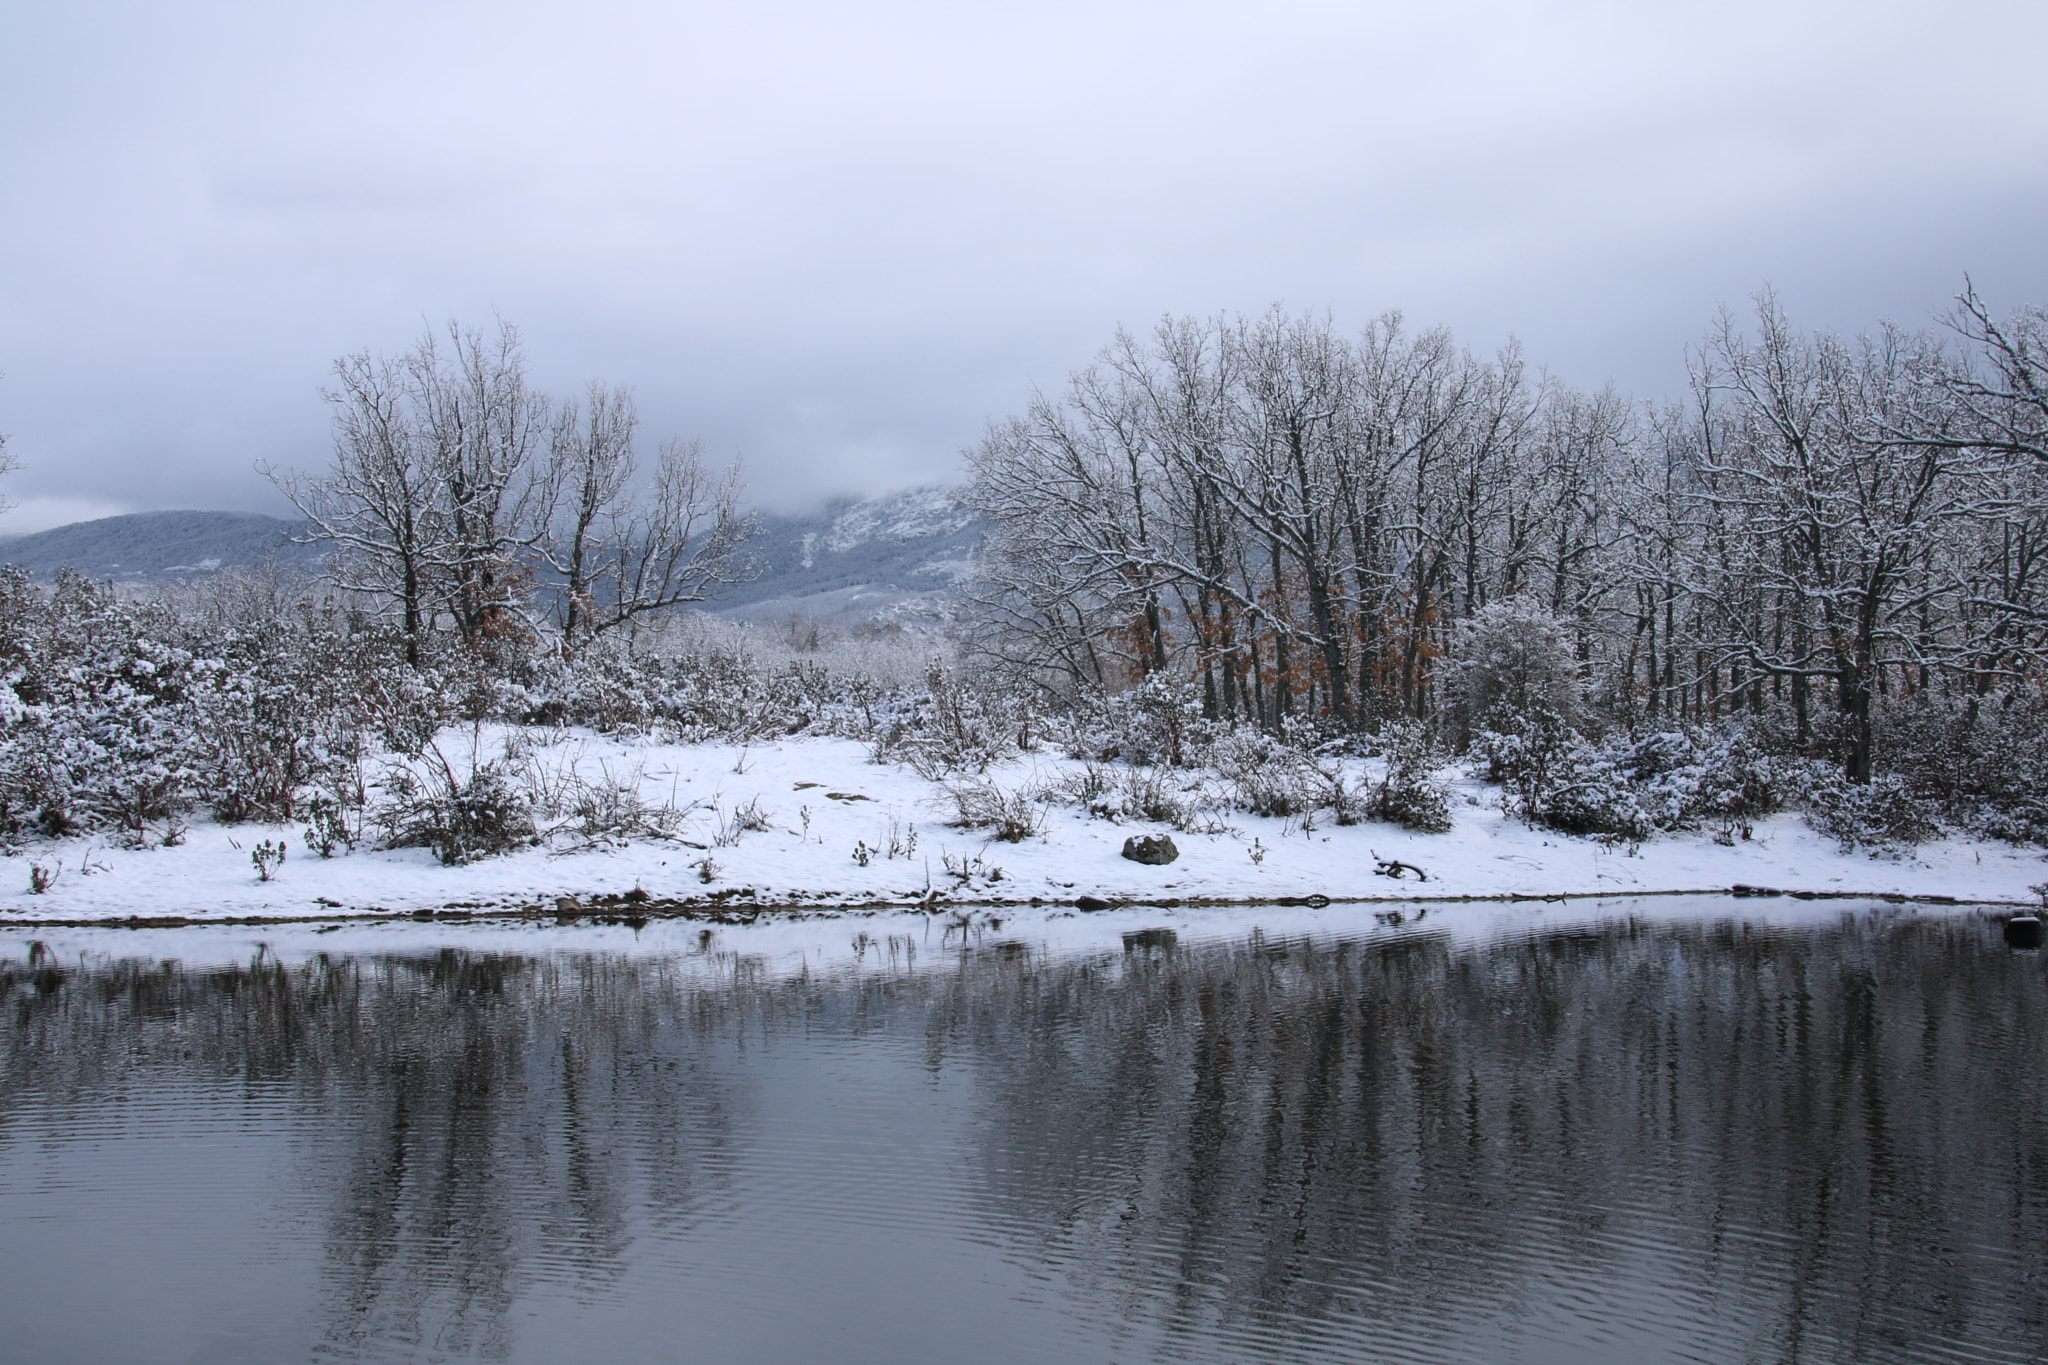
840, 239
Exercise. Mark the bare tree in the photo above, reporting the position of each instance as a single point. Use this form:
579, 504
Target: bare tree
1832, 519
2005, 408
592, 454
1063, 575
485, 429
434, 498
1297, 523
456, 486
378, 507
1263, 506
622, 552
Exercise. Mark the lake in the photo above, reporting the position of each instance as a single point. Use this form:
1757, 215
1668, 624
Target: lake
1604, 1132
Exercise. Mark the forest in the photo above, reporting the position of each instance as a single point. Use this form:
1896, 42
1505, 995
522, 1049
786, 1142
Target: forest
1835, 548
1240, 546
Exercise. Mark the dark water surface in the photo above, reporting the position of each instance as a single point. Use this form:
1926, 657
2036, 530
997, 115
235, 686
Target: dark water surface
1625, 1139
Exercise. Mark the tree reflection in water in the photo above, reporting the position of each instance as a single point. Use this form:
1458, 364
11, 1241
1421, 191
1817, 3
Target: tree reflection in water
1632, 1139
1819, 1141
478, 1115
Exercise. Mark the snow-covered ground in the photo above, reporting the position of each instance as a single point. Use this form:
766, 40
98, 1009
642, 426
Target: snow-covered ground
823, 799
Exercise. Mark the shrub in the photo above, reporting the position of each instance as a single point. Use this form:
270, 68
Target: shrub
277, 710
96, 726
1529, 759
1157, 722
1976, 761
1683, 779
1881, 815
1010, 816
1411, 793
460, 819
955, 724
612, 808
1264, 775
1588, 793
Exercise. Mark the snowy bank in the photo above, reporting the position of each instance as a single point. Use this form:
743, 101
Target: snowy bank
831, 828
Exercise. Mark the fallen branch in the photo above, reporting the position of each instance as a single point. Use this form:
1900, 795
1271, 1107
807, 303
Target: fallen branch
1394, 867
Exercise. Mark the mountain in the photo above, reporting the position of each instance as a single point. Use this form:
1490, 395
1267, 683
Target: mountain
145, 547
889, 559
874, 560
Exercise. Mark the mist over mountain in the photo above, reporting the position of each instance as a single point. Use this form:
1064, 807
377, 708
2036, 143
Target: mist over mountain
892, 559
889, 559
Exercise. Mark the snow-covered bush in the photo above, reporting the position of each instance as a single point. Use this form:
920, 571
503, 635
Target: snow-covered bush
2023, 821
713, 694
1164, 796
1512, 667
1120, 793
1632, 788
282, 714
124, 715
1881, 815
1589, 793
1157, 722
1687, 778
238, 697
1411, 791
1264, 775
616, 810
333, 824
96, 730
1249, 770
1011, 816
957, 723
461, 816
1528, 758
1513, 693
1979, 765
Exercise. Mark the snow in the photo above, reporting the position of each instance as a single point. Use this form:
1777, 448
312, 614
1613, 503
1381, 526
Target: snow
913, 515
851, 800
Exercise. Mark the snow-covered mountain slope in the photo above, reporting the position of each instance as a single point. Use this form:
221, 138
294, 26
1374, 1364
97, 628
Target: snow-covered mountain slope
893, 558
146, 547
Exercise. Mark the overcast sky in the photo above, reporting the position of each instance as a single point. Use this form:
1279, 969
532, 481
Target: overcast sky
841, 238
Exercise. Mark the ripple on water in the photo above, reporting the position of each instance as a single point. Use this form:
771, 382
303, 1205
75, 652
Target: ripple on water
1626, 1141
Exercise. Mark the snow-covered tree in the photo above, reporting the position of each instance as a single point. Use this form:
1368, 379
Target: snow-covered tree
618, 551
458, 493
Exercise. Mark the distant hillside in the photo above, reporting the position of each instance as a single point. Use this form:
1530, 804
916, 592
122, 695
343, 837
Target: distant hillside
893, 558
145, 547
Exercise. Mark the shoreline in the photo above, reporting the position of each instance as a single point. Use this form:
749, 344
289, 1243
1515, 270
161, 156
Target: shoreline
833, 833
620, 910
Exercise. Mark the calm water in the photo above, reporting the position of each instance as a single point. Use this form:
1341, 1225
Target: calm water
1622, 1139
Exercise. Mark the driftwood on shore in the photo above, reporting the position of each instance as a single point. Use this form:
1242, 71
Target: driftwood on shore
1394, 867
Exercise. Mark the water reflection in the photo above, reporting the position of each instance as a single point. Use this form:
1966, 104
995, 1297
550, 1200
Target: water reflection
1770, 1145
1631, 1140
